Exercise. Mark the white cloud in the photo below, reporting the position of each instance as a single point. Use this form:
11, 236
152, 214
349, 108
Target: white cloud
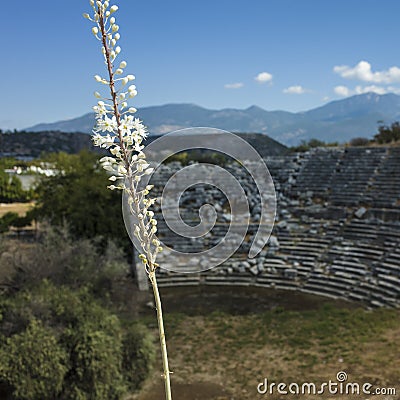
296, 89
263, 77
236, 85
368, 89
342, 91
392, 89
363, 72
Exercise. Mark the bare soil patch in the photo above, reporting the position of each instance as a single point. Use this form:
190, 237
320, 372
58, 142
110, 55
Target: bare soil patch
186, 391
19, 208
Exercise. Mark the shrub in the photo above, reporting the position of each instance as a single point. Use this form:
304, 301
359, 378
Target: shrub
64, 261
311, 144
33, 363
7, 220
62, 343
96, 360
13, 219
359, 142
11, 189
138, 355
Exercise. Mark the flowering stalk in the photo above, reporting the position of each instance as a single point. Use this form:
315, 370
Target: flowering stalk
122, 134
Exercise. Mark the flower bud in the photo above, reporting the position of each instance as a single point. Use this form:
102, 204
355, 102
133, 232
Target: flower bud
132, 110
123, 64
132, 93
112, 20
122, 170
86, 15
119, 71
113, 9
117, 36
98, 78
131, 77
97, 95
118, 49
124, 81
115, 28
95, 30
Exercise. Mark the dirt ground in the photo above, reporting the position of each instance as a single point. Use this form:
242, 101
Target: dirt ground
19, 208
185, 391
220, 349
240, 300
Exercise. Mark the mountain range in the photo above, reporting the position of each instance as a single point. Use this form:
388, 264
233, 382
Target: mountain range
339, 120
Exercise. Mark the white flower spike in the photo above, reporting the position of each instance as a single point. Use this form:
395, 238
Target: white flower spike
122, 134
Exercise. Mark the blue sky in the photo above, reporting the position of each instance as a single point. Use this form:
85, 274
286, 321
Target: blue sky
278, 54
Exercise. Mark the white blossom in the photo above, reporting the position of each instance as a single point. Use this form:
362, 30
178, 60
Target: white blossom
107, 124
122, 134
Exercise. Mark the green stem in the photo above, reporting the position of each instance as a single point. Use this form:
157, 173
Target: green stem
163, 343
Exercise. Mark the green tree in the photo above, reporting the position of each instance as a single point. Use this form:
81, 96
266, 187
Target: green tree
311, 144
388, 134
78, 195
11, 189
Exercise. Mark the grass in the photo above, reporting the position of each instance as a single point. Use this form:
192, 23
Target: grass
238, 351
